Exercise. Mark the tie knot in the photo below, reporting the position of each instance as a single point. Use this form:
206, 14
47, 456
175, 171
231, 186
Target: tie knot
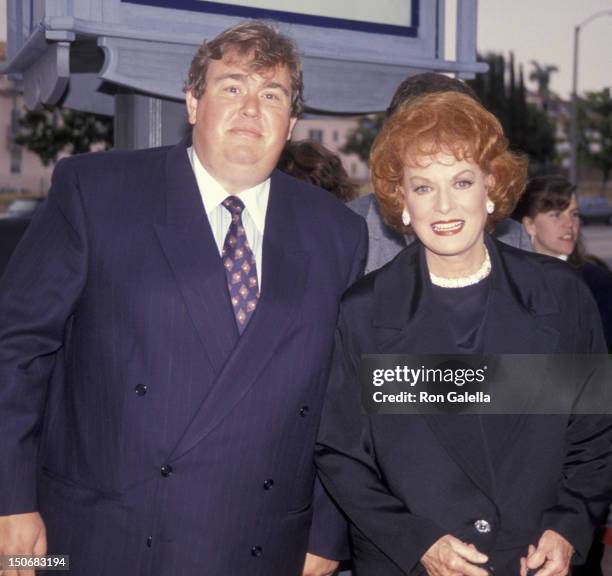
234, 205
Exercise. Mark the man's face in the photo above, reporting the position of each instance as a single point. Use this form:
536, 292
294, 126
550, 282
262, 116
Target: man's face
242, 121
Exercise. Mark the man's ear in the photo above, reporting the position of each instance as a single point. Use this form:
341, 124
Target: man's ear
191, 102
292, 122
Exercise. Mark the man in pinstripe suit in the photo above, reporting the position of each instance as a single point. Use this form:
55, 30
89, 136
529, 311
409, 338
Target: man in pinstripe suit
166, 331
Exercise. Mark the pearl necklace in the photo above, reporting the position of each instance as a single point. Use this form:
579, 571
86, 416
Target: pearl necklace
480, 274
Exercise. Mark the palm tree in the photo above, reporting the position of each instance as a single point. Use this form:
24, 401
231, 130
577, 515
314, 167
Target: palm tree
541, 75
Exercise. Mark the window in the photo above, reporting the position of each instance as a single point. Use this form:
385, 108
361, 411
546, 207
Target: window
316, 135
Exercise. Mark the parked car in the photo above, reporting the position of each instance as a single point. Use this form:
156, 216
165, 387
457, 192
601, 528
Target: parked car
22, 208
595, 209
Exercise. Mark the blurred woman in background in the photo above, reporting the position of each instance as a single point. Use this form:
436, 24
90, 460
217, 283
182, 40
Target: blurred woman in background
312, 162
549, 212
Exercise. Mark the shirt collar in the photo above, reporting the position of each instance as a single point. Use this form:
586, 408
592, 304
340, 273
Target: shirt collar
255, 199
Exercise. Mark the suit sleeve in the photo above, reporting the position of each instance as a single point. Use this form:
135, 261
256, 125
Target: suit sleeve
586, 487
38, 293
329, 531
346, 461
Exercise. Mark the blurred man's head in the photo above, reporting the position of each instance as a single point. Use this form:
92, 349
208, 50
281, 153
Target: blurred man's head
427, 83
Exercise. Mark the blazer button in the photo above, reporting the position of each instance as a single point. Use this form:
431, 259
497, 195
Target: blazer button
256, 551
482, 526
149, 541
304, 411
268, 484
166, 470
140, 389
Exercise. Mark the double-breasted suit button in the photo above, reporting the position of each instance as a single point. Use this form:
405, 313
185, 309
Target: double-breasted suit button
140, 389
149, 541
256, 551
166, 470
304, 411
268, 483
482, 526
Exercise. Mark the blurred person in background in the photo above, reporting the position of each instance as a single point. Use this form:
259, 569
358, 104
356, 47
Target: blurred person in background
312, 162
549, 212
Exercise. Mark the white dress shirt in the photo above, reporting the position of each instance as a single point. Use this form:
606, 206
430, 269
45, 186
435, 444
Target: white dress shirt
255, 202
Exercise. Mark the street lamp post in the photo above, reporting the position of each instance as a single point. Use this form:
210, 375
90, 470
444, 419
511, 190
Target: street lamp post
574, 108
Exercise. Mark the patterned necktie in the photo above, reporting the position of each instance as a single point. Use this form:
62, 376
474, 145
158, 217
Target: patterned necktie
240, 266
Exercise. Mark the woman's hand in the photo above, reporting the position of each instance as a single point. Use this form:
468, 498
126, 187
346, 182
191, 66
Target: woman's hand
553, 555
448, 556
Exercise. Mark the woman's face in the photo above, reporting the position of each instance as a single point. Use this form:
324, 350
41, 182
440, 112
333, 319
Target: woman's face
555, 233
446, 199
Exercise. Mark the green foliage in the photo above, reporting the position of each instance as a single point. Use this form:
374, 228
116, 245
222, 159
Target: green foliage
527, 127
541, 75
361, 139
595, 128
49, 131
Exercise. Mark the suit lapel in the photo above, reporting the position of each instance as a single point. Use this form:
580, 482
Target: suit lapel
285, 267
188, 243
384, 242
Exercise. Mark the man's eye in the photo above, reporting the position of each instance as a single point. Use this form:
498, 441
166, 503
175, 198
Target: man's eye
464, 184
271, 96
232, 89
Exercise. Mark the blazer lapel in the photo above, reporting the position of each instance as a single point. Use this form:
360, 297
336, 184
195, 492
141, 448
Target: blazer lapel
188, 243
285, 267
405, 324
522, 320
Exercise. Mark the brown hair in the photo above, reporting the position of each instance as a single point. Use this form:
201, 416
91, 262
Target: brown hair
447, 122
310, 161
266, 47
552, 193
427, 83
543, 194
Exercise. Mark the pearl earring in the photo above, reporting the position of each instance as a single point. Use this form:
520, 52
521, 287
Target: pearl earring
406, 217
490, 206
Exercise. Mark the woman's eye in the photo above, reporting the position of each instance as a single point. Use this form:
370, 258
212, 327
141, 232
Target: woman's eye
464, 183
422, 189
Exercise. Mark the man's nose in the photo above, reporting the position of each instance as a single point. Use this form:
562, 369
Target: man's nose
250, 106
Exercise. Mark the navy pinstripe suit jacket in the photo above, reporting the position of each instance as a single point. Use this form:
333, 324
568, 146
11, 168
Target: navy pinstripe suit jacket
154, 440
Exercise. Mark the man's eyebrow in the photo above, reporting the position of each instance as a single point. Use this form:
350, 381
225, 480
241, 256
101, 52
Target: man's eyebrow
231, 76
276, 86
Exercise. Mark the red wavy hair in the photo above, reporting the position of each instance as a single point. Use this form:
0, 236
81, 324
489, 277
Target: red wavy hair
450, 123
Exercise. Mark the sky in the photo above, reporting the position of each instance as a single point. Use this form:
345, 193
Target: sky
541, 30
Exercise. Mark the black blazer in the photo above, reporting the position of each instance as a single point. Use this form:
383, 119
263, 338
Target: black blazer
405, 481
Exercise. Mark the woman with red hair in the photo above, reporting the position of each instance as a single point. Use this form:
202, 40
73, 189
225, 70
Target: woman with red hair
449, 495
